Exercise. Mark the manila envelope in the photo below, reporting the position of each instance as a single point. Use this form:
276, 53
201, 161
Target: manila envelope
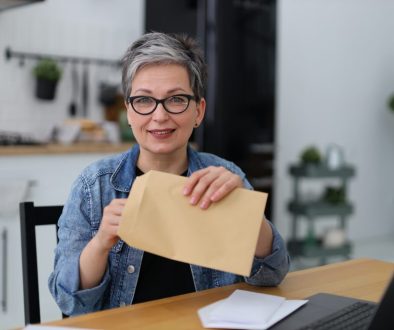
159, 219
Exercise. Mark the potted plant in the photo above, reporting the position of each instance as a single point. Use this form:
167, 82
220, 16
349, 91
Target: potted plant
311, 155
47, 74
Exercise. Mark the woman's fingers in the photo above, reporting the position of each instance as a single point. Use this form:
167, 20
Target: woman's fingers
108, 231
193, 180
204, 184
228, 186
210, 185
112, 213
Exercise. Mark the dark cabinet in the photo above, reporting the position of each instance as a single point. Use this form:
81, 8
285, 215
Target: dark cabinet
238, 38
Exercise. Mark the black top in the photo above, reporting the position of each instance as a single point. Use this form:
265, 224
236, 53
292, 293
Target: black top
161, 277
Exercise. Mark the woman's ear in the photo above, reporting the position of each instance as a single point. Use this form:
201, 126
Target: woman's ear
127, 105
201, 105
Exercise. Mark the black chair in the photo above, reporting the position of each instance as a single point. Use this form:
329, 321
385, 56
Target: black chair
30, 217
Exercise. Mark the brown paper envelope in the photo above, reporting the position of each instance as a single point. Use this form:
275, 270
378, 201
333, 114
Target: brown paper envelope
157, 218
131, 209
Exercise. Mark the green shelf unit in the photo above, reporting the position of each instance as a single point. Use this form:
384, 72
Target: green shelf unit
300, 248
319, 208
311, 211
321, 171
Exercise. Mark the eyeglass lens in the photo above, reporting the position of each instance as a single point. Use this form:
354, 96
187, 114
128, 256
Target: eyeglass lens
147, 104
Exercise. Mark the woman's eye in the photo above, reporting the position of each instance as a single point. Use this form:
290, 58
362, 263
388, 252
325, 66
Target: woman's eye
177, 99
143, 100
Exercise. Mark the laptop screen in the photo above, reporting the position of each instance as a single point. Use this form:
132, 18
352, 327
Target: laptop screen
384, 316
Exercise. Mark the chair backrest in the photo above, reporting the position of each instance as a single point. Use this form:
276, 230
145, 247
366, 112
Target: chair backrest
30, 217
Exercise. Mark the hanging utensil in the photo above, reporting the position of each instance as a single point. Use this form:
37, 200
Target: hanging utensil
73, 109
85, 89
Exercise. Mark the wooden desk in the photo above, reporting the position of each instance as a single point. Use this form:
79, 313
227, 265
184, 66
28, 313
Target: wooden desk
359, 278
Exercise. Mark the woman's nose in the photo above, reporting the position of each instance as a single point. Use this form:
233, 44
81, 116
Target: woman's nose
160, 113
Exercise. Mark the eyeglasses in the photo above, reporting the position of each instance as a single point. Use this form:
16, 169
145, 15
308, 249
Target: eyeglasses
145, 105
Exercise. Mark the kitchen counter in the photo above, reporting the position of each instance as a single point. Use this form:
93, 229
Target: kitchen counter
76, 148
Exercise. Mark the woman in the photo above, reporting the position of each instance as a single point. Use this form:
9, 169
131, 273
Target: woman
163, 82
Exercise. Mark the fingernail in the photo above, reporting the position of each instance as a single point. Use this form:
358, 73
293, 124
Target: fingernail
204, 205
213, 197
193, 200
185, 191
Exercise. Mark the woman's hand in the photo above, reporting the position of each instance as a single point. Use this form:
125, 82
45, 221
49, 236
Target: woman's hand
107, 235
211, 184
94, 257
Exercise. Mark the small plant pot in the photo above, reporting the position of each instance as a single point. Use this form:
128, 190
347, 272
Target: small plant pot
45, 89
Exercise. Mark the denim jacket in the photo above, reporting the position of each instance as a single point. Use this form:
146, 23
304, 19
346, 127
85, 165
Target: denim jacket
96, 186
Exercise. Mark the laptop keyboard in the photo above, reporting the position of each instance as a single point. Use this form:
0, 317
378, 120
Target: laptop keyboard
357, 316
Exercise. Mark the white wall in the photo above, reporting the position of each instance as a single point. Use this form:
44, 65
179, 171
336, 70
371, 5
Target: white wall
87, 28
335, 74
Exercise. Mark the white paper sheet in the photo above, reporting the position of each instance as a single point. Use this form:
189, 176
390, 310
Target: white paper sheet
247, 310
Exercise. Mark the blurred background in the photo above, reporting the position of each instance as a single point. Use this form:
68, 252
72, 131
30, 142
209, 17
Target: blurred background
298, 95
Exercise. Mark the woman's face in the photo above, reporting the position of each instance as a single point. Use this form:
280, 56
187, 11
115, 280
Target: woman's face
161, 132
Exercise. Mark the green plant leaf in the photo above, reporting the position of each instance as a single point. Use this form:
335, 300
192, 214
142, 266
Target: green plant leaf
47, 69
311, 155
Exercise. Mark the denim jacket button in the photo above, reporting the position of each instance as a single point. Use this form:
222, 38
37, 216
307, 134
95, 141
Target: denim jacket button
130, 269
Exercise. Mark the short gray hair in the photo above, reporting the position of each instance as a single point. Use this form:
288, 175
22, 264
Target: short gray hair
162, 48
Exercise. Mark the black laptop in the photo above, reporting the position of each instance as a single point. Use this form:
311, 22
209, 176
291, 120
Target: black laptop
332, 312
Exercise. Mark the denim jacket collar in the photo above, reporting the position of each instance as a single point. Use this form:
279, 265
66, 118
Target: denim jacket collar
194, 161
124, 173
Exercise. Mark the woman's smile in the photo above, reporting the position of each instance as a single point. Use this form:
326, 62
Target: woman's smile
161, 133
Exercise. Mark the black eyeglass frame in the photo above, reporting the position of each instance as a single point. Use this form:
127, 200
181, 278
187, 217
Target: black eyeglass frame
130, 100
